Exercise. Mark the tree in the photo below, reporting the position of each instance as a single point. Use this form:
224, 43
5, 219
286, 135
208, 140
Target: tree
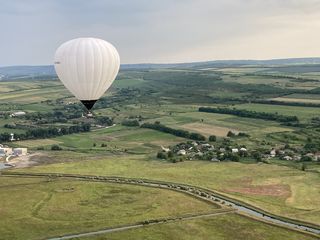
161, 155
231, 134
103, 120
242, 134
257, 156
234, 157
197, 137
306, 158
212, 138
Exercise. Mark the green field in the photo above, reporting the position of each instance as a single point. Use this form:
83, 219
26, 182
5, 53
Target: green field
278, 189
55, 207
215, 228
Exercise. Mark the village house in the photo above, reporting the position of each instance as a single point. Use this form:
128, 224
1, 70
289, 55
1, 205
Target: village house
20, 151
317, 156
182, 152
222, 150
273, 153
18, 114
288, 158
235, 150
5, 151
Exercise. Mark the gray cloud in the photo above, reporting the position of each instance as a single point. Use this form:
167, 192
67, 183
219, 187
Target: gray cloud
162, 31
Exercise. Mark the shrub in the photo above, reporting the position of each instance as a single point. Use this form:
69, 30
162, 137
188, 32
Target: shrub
56, 147
234, 158
242, 134
257, 156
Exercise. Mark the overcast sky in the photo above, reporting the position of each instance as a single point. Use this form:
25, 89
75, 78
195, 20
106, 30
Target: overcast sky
161, 30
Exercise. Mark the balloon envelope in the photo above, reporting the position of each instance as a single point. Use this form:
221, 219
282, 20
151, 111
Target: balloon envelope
87, 67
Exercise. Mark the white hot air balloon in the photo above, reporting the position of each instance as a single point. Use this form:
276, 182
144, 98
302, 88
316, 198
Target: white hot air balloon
87, 67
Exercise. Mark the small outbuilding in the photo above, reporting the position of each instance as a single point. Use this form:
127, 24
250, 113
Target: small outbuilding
20, 151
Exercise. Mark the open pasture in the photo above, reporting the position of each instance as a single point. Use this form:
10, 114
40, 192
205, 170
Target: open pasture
247, 182
231, 226
64, 206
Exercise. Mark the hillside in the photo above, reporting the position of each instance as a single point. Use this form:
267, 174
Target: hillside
39, 72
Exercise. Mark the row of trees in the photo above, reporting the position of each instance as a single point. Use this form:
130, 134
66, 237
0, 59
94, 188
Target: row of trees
274, 102
251, 114
177, 132
52, 117
130, 123
47, 132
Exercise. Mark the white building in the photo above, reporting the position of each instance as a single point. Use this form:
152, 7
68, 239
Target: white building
273, 153
20, 151
17, 114
4, 151
182, 152
235, 150
288, 158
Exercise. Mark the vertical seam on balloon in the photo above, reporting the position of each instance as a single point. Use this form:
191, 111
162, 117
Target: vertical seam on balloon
78, 87
101, 77
93, 63
69, 72
104, 73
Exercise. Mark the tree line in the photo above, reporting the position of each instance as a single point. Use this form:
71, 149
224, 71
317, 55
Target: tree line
251, 114
274, 102
37, 133
176, 132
